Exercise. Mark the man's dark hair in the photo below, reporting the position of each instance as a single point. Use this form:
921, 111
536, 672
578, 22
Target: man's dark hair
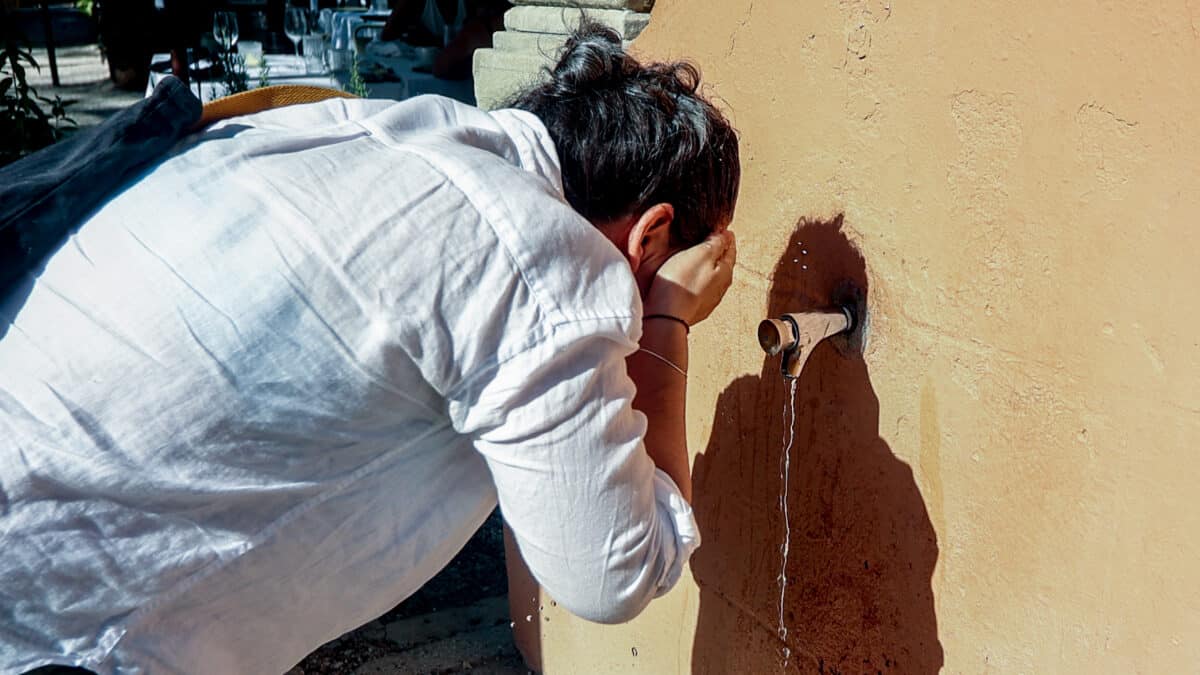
630, 136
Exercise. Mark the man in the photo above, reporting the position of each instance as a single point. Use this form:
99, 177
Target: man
268, 390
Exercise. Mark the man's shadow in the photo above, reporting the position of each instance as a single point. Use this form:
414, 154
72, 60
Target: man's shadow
862, 548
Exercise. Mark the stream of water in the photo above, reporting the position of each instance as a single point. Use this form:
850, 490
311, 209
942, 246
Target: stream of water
785, 465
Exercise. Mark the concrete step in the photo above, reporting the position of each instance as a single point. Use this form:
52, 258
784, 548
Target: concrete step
635, 5
501, 74
528, 43
564, 20
534, 43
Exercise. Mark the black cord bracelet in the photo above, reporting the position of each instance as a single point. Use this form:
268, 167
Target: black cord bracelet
686, 327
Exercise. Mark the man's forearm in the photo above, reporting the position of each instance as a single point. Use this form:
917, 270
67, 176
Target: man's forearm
662, 397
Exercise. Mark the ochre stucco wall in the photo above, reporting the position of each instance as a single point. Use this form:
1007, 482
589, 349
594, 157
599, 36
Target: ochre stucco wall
1006, 481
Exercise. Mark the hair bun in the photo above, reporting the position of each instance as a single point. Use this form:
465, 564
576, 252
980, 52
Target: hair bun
629, 135
592, 57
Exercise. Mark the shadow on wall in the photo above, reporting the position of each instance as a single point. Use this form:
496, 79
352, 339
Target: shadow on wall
862, 548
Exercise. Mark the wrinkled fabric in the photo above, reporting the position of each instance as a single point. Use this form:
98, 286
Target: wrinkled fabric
270, 389
44, 195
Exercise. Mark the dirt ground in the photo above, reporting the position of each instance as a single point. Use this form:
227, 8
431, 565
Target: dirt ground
456, 623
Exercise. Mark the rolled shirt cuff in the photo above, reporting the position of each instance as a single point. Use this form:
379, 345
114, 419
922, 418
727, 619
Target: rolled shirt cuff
678, 513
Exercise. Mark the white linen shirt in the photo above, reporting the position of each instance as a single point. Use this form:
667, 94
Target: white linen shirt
271, 388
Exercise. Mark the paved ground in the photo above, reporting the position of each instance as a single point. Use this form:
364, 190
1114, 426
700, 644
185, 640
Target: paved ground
84, 77
459, 621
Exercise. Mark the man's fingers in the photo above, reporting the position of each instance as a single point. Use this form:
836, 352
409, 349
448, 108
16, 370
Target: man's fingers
729, 256
717, 246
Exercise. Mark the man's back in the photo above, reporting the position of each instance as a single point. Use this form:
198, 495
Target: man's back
238, 402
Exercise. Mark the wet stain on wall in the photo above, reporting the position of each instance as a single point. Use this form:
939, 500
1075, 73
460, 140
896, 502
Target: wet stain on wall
863, 549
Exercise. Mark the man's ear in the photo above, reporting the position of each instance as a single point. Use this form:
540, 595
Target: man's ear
650, 234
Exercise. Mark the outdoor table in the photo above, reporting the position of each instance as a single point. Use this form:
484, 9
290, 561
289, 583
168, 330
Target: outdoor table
290, 69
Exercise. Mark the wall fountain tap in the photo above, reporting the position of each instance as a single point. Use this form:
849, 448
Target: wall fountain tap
796, 335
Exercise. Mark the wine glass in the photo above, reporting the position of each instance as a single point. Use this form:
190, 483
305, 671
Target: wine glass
295, 25
225, 29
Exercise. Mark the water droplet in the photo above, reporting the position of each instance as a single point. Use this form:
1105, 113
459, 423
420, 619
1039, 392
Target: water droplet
529, 617
634, 650
803, 251
795, 260
512, 624
804, 267
787, 653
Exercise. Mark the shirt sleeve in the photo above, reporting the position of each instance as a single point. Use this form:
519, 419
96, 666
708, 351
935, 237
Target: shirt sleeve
602, 529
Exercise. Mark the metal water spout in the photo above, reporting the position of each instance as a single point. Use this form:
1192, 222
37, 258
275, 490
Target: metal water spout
796, 335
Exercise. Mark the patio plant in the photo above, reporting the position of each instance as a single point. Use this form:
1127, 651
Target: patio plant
357, 85
264, 75
24, 126
233, 73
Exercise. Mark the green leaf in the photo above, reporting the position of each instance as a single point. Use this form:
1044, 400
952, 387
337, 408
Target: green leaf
57, 110
28, 56
32, 106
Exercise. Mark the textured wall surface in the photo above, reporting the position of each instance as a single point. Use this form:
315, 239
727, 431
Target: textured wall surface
1006, 480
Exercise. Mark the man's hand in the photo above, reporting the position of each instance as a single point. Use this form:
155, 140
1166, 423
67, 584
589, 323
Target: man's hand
692, 282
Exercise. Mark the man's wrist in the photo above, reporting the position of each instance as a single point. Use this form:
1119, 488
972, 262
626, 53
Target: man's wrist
658, 370
667, 338
668, 304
